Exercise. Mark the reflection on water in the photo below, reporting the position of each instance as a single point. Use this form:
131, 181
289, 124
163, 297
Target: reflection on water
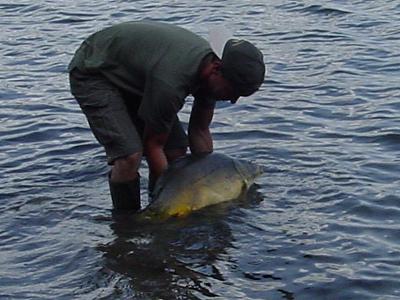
322, 223
168, 260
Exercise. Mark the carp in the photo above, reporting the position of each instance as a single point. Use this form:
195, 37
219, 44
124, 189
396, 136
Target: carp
194, 182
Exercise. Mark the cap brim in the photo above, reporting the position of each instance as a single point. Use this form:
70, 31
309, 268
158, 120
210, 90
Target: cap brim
218, 36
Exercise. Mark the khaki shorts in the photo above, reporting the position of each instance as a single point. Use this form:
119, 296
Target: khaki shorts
112, 116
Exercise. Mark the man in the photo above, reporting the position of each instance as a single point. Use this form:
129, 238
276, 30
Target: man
131, 80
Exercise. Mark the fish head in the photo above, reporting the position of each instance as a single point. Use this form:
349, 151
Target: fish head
249, 171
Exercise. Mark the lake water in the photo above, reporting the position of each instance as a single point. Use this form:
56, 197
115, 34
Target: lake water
322, 223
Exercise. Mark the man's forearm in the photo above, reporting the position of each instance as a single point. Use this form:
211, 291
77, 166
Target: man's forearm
156, 160
154, 151
200, 141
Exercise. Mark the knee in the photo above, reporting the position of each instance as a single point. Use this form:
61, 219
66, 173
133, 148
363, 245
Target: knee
129, 162
126, 168
133, 160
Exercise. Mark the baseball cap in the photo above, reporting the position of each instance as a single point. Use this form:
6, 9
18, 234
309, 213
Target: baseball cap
242, 62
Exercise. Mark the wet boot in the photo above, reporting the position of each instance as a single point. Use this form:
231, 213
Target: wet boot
125, 195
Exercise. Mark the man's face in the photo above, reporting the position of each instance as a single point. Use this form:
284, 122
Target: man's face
221, 89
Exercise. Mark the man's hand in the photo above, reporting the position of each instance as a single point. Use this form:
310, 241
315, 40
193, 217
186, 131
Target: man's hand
200, 140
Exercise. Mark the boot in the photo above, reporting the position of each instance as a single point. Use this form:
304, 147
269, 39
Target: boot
125, 195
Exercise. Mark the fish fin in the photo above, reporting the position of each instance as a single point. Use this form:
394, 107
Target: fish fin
240, 170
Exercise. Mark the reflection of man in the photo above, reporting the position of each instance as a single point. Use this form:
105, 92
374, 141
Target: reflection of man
132, 79
153, 261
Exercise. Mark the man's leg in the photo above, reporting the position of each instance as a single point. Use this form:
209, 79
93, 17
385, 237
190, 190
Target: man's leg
126, 168
108, 117
124, 182
177, 143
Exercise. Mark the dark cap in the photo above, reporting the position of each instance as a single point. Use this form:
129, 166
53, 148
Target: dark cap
243, 65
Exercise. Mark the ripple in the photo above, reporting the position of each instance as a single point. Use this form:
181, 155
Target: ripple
251, 135
12, 7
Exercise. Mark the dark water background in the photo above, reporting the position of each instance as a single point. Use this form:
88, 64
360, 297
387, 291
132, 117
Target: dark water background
323, 223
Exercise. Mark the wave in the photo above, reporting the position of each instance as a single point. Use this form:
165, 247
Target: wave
314, 9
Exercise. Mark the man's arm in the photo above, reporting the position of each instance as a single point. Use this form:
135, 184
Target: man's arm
200, 140
153, 144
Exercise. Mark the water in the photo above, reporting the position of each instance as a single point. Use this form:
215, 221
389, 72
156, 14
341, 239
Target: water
323, 223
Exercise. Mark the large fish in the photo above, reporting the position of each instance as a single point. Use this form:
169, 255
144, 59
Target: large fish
192, 183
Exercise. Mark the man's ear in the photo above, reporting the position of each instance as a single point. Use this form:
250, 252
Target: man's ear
211, 68
216, 66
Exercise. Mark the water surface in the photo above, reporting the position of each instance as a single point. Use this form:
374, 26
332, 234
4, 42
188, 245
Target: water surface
322, 223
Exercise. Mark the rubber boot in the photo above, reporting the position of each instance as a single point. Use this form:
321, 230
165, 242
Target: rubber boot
125, 195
